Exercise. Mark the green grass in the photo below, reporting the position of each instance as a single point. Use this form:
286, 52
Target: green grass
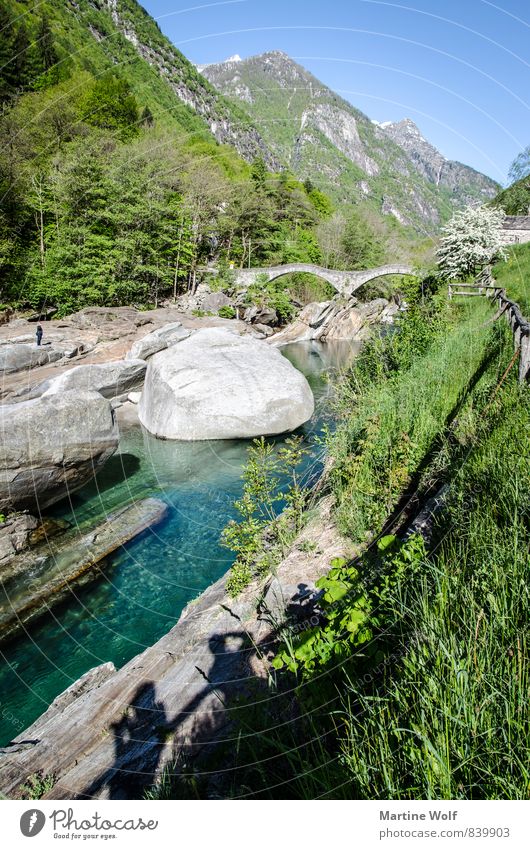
513, 274
386, 433
450, 719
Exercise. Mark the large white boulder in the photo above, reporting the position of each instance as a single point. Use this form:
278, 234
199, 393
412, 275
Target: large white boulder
217, 385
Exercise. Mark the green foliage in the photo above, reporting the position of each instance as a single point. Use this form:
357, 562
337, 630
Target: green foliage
399, 413
273, 294
352, 611
113, 191
110, 104
307, 288
520, 167
415, 330
513, 274
226, 312
515, 200
348, 241
37, 784
260, 536
28, 54
447, 717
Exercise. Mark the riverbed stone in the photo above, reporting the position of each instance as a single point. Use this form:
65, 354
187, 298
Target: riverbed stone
218, 385
158, 340
335, 320
109, 379
21, 357
69, 561
51, 446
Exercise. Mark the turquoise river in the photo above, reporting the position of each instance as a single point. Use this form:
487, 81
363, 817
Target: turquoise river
144, 587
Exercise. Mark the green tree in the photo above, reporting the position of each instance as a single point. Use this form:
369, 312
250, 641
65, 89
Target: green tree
110, 104
359, 246
520, 166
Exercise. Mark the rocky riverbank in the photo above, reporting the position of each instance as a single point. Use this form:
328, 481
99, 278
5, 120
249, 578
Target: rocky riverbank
111, 734
41, 576
65, 446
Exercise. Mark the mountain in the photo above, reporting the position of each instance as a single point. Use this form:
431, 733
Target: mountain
319, 135
465, 184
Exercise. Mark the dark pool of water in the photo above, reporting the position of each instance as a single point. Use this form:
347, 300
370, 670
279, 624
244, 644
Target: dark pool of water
148, 582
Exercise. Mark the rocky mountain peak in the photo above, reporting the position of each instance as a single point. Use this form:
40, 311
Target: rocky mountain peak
320, 135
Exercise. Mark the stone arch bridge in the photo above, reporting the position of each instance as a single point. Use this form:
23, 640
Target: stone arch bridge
344, 282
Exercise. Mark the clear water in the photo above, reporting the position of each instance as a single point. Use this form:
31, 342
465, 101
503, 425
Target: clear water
147, 583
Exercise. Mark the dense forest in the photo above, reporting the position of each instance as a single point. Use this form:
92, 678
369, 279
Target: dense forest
107, 200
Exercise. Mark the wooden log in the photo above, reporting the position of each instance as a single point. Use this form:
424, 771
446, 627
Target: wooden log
524, 359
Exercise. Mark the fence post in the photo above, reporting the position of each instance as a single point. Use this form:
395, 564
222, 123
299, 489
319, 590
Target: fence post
524, 358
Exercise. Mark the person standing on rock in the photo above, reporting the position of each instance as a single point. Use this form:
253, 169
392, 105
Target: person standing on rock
39, 335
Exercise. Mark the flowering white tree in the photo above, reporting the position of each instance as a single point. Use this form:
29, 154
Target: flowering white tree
471, 240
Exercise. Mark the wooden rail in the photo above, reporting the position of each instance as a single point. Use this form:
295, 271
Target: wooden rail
520, 326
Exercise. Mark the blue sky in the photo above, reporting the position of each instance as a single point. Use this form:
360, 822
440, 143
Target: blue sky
459, 68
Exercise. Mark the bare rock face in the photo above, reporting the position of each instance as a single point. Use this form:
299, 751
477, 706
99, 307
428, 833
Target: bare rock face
53, 445
17, 357
15, 533
333, 320
109, 379
158, 340
217, 385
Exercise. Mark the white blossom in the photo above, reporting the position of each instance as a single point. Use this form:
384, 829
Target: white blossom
471, 240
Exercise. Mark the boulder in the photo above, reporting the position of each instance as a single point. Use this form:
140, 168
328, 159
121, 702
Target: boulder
15, 358
15, 533
109, 379
261, 315
60, 565
51, 446
264, 329
157, 341
217, 385
334, 320
213, 301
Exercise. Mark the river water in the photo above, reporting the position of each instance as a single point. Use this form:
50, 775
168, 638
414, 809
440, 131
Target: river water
147, 583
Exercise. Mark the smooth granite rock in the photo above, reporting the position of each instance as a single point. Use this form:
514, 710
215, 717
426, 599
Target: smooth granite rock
217, 385
21, 357
158, 340
51, 446
109, 379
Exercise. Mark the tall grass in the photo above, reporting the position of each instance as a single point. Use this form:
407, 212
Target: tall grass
451, 719
388, 430
436, 706
513, 274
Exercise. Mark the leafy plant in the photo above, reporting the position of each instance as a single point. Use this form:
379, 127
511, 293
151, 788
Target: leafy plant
226, 311
349, 609
260, 536
37, 785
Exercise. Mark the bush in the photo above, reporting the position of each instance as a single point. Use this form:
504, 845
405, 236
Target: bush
226, 312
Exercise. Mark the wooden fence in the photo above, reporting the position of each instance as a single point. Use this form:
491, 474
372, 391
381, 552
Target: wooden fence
486, 285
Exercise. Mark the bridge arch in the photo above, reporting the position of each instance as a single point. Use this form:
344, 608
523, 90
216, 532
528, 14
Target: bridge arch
344, 282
